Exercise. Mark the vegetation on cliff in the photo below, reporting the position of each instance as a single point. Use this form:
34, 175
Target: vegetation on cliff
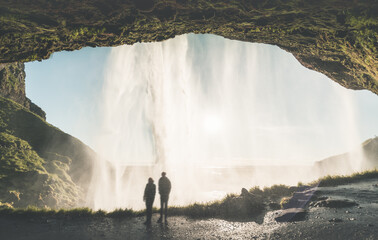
335, 37
26, 179
39, 164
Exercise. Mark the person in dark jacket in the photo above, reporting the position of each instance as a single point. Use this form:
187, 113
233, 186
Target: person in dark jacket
149, 197
164, 190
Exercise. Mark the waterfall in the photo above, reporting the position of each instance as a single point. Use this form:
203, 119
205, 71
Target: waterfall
204, 109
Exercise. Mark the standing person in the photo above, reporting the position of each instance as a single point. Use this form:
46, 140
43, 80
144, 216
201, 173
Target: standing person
149, 197
164, 190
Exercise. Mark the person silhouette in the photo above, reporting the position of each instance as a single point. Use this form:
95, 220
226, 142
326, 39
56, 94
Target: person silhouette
149, 197
164, 190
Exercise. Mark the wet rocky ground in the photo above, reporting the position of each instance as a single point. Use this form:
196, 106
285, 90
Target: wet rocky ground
330, 215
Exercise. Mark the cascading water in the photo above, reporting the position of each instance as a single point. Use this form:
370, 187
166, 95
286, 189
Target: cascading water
204, 109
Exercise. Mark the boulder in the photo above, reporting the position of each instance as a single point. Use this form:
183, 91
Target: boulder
291, 215
336, 203
299, 199
335, 220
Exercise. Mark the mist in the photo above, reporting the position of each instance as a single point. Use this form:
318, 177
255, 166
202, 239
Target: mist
214, 115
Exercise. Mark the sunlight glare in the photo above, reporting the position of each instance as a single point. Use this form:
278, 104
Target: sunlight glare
212, 124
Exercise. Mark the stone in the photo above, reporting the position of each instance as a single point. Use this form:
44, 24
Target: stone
335, 203
335, 220
322, 198
144, 5
291, 215
301, 198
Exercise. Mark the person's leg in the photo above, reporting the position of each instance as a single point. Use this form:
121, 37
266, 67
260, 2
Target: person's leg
146, 212
161, 209
148, 218
149, 211
166, 208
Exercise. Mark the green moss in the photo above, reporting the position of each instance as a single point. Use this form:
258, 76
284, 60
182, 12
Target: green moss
284, 200
16, 155
27, 180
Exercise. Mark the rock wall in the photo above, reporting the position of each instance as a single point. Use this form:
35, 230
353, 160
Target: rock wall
12, 82
12, 86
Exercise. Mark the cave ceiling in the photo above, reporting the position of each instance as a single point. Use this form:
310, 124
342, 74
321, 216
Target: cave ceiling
335, 37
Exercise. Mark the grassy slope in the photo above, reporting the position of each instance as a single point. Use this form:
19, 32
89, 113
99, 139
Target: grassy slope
335, 37
39, 161
27, 179
331, 181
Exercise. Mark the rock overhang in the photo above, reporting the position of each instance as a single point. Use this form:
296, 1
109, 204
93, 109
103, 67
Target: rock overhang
336, 37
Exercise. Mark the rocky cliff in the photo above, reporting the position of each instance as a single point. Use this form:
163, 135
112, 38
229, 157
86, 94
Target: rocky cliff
370, 148
12, 82
364, 157
12, 86
334, 37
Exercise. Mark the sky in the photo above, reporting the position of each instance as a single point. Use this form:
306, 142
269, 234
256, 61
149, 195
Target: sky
66, 87
69, 86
